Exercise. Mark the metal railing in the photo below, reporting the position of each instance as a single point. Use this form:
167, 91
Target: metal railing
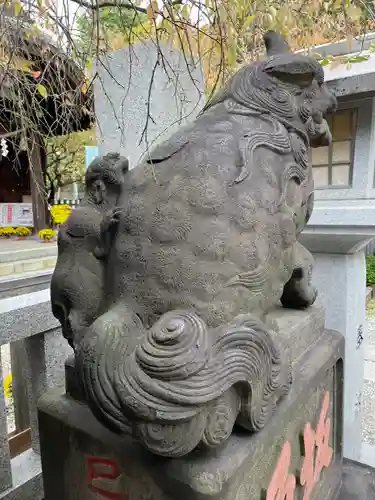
38, 352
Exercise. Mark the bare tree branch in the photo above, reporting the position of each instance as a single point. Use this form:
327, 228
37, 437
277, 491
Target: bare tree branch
122, 4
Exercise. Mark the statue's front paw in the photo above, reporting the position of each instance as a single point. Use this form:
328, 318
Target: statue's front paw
298, 293
308, 296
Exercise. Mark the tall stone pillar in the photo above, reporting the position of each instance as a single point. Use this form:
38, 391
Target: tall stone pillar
338, 241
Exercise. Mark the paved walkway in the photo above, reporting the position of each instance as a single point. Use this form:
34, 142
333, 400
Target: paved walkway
368, 400
12, 244
20, 256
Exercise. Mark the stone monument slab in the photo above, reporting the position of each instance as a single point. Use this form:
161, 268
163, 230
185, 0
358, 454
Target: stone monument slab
140, 101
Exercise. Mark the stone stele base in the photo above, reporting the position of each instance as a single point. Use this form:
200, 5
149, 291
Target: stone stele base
298, 455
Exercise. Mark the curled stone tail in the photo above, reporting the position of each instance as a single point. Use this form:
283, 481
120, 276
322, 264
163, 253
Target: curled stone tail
185, 385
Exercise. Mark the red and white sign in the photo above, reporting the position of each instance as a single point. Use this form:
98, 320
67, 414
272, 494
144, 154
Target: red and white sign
16, 214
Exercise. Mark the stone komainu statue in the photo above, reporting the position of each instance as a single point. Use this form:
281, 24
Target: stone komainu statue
196, 249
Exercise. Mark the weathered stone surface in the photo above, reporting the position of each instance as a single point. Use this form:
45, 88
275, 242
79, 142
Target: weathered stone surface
44, 369
28, 318
358, 482
139, 101
241, 470
30, 313
27, 478
170, 330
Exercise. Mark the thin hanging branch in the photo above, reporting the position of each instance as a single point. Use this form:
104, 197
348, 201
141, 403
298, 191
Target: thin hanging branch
100, 4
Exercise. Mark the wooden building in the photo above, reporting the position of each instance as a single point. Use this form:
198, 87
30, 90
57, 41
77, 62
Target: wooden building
41, 95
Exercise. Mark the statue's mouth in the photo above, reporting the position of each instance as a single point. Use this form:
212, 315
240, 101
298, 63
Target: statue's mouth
61, 313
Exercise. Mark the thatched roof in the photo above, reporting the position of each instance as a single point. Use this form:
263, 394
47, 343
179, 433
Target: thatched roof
49, 83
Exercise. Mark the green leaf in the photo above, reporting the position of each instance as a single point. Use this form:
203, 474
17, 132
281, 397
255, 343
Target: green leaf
89, 64
35, 30
269, 21
337, 5
232, 54
357, 59
185, 12
354, 13
17, 7
283, 14
327, 60
250, 19
42, 90
273, 12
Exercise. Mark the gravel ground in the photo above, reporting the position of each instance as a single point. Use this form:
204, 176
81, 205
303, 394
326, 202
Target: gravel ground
368, 402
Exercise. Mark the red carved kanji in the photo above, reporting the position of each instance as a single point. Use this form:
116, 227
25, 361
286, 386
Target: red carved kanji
102, 478
283, 484
317, 452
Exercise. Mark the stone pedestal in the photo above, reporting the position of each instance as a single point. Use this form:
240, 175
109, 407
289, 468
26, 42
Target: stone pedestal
83, 461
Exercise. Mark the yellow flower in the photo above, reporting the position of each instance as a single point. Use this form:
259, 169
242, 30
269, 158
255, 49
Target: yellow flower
7, 231
23, 231
60, 213
47, 234
8, 386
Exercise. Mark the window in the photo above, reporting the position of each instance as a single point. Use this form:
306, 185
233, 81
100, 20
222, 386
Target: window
332, 165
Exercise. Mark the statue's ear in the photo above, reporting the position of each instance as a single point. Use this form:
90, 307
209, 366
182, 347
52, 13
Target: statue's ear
275, 43
122, 165
108, 231
98, 190
294, 69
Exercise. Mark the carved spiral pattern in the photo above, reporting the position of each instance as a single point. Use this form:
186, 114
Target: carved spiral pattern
179, 386
175, 348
